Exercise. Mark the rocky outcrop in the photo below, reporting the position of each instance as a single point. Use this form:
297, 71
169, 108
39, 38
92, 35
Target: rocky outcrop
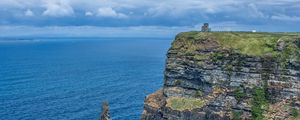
105, 112
223, 76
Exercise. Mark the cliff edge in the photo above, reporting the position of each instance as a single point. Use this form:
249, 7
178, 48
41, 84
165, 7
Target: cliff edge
229, 76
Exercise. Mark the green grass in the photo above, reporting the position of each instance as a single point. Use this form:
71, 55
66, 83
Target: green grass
181, 103
295, 114
252, 44
263, 45
239, 94
198, 93
259, 103
236, 115
201, 57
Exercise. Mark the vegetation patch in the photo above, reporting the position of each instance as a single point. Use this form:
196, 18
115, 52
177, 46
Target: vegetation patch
246, 43
178, 82
201, 57
253, 44
295, 113
239, 94
236, 115
198, 93
259, 103
217, 56
182, 103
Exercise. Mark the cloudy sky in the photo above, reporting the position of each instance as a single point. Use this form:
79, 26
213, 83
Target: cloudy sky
164, 16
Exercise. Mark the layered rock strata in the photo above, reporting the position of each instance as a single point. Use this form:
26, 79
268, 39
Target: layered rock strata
224, 76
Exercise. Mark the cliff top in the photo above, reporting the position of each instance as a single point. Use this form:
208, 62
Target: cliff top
252, 44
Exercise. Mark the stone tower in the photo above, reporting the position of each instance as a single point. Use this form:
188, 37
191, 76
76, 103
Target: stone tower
205, 27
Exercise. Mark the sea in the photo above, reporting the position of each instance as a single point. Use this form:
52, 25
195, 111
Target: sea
69, 78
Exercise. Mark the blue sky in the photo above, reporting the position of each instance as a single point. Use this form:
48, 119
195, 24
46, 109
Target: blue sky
129, 17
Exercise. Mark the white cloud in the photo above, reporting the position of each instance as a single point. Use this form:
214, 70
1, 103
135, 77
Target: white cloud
282, 17
88, 13
179, 8
155, 12
58, 9
29, 13
153, 7
255, 12
109, 12
10, 3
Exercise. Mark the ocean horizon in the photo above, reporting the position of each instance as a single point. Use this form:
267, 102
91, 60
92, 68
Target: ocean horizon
68, 78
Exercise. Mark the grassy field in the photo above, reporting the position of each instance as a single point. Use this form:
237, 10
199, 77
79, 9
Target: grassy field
181, 103
248, 43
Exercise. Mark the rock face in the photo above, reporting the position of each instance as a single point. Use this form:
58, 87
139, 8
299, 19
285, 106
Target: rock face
105, 112
224, 76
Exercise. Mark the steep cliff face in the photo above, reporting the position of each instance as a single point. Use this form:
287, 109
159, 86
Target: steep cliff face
223, 76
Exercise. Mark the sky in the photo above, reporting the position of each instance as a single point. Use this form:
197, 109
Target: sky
144, 17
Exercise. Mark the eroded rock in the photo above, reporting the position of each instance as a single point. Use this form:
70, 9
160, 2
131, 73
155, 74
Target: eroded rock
204, 66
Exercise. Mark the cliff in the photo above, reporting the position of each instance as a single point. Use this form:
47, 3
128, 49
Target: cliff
229, 75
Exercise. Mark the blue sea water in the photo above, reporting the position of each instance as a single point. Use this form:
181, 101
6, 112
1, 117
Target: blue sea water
68, 78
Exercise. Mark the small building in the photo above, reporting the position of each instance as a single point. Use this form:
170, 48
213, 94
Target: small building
205, 27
